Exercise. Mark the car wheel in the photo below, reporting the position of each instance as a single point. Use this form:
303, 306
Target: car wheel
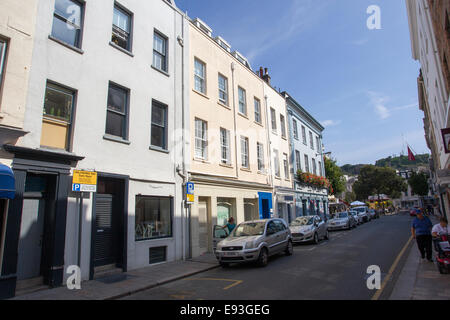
316, 238
224, 264
327, 235
289, 249
263, 258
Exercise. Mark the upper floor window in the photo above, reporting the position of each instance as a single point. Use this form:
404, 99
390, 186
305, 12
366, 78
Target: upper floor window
201, 139
304, 134
307, 163
117, 112
242, 101
223, 89
276, 162
260, 154
57, 117
283, 126
258, 111
314, 166
2, 59
273, 119
294, 126
121, 30
244, 153
67, 22
320, 169
318, 144
298, 160
159, 125
286, 165
200, 76
225, 146
160, 52
311, 140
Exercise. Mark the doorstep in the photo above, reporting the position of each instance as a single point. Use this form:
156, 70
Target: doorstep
127, 283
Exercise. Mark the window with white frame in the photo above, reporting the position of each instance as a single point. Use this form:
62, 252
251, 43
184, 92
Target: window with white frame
225, 146
313, 161
304, 134
307, 163
311, 140
318, 144
244, 153
260, 153
294, 126
200, 76
276, 162
201, 139
273, 119
298, 160
283, 126
286, 166
2, 59
258, 111
160, 52
320, 169
223, 89
242, 101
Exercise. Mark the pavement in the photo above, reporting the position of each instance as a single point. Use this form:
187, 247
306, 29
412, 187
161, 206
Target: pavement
420, 279
124, 284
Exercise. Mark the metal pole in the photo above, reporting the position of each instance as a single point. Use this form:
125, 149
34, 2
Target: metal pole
80, 223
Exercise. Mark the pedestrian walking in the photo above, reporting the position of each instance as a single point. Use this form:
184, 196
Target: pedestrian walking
421, 231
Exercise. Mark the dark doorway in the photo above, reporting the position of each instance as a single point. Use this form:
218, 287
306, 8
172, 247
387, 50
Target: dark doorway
265, 209
289, 213
108, 224
304, 209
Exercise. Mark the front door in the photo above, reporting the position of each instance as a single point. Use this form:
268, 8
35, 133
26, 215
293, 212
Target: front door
31, 238
104, 231
203, 227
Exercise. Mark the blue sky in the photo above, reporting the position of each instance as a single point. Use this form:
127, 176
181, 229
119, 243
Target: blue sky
360, 83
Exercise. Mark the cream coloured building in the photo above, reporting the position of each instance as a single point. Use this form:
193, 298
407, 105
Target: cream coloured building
229, 142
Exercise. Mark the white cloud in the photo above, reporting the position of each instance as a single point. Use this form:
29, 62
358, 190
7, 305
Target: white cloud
378, 101
360, 42
330, 123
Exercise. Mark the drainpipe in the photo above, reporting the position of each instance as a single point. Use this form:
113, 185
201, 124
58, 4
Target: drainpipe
233, 67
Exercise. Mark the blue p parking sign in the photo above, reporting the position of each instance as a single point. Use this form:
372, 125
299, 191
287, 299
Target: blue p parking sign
76, 187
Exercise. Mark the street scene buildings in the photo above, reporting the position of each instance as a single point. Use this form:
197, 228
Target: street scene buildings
135, 140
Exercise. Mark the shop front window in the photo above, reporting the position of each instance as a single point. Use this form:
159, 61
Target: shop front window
153, 217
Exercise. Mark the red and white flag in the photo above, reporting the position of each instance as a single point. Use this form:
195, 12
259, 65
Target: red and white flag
411, 156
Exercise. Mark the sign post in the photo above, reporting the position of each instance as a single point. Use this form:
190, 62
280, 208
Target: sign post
190, 192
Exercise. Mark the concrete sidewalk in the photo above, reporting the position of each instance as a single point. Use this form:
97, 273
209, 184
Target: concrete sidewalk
420, 279
123, 284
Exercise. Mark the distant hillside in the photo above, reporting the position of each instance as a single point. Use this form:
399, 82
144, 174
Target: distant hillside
398, 163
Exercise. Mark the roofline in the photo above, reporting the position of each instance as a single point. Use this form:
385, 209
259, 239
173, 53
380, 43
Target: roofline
312, 120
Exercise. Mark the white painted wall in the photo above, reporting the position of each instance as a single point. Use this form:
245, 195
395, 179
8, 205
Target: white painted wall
89, 73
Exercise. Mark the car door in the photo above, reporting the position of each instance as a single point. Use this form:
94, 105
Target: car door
271, 237
219, 233
281, 235
320, 227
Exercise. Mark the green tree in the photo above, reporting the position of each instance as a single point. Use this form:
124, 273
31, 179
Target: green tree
374, 180
419, 183
334, 175
350, 196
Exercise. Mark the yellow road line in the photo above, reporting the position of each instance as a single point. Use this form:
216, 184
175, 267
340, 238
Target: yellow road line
378, 293
235, 282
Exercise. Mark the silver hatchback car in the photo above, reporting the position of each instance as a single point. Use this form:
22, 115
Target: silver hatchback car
309, 228
255, 241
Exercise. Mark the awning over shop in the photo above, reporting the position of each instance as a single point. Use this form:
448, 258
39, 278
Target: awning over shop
7, 182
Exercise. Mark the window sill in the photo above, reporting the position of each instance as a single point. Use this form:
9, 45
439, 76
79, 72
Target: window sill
220, 103
202, 94
246, 169
262, 173
69, 46
259, 123
243, 115
169, 238
284, 137
153, 148
161, 71
201, 160
112, 44
278, 178
116, 139
229, 166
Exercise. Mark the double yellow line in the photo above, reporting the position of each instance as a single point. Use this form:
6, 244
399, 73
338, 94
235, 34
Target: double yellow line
378, 293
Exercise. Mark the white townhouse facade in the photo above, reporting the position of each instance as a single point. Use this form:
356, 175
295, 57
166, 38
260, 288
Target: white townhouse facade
281, 174
107, 93
429, 26
306, 154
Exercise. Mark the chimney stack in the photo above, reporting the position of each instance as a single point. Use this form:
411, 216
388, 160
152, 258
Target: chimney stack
266, 76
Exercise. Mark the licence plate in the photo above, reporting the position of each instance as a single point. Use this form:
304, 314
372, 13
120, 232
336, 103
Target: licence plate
230, 254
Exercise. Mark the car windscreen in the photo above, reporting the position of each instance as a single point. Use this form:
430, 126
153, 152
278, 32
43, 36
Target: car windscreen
302, 221
249, 229
341, 215
360, 210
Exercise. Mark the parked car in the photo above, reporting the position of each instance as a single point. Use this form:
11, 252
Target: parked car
342, 220
362, 213
309, 228
254, 241
373, 214
356, 216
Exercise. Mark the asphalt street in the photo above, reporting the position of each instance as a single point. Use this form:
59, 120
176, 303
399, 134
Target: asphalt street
333, 269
